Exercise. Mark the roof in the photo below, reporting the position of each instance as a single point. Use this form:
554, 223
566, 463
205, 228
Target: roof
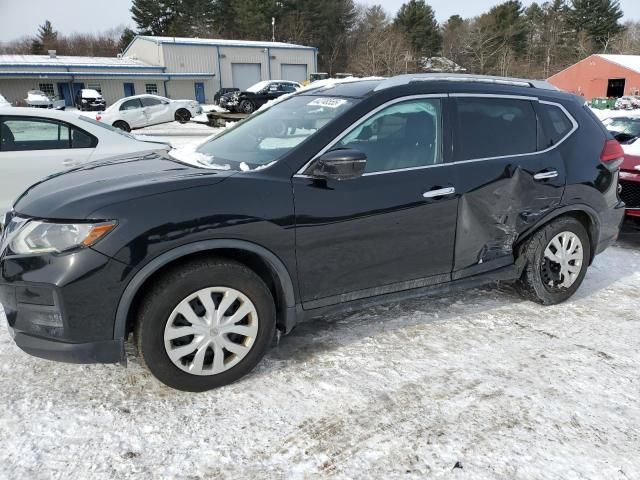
72, 61
631, 62
220, 42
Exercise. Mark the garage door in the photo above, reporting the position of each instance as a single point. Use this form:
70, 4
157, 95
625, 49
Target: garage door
245, 74
296, 73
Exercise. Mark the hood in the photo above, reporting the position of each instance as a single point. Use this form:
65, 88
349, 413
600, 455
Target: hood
77, 193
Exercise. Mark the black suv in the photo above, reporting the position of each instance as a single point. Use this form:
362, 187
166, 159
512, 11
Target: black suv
337, 198
257, 95
91, 100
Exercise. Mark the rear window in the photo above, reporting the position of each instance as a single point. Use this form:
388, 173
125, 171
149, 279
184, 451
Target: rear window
494, 127
555, 122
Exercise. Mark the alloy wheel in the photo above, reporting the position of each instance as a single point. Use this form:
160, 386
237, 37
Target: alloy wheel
211, 331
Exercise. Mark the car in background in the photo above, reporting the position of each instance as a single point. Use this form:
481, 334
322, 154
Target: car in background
627, 131
141, 111
257, 95
36, 144
90, 100
4, 102
221, 92
39, 99
627, 103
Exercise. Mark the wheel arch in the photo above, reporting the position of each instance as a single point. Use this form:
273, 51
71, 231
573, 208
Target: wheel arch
583, 213
262, 261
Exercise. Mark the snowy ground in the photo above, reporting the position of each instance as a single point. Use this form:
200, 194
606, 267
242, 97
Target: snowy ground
504, 388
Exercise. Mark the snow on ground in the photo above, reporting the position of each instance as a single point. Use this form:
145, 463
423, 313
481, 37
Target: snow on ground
505, 388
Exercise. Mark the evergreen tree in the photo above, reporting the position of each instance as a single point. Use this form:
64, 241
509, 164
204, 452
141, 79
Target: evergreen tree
417, 20
158, 17
598, 19
126, 38
47, 39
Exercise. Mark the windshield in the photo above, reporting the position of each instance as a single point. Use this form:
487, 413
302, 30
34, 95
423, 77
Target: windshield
267, 135
258, 86
630, 126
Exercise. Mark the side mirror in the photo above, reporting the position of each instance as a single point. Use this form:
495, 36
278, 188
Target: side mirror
342, 164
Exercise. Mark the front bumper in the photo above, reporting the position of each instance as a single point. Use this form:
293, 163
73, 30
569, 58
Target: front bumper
62, 307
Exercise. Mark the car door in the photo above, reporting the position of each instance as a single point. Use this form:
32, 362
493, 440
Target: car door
509, 175
156, 110
132, 112
391, 229
33, 148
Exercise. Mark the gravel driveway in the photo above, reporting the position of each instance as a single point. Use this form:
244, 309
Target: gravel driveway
473, 385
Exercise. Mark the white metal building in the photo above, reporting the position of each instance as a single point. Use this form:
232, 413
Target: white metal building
229, 63
173, 67
63, 76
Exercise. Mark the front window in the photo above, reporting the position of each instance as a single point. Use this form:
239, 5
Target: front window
630, 126
266, 136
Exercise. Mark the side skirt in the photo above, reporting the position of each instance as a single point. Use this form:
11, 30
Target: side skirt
509, 273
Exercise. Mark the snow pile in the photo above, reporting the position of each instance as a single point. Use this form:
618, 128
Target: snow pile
504, 388
188, 154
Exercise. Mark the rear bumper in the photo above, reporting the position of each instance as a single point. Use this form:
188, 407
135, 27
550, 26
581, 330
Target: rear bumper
108, 351
611, 222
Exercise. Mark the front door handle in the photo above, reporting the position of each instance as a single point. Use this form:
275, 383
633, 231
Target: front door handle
440, 192
547, 174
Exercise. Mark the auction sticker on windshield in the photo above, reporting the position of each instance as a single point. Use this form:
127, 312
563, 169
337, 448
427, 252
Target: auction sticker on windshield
328, 102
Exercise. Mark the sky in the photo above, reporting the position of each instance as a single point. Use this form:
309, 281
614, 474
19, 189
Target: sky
22, 17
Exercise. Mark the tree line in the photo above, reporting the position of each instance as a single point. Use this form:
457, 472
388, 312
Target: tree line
509, 39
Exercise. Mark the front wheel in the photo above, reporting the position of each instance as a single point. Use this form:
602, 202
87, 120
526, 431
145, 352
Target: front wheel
557, 259
205, 325
183, 115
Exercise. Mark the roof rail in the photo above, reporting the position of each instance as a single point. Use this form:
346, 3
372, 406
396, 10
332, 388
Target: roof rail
461, 77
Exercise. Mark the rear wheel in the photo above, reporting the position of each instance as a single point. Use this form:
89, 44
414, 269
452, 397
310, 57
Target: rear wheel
122, 125
182, 115
557, 261
205, 325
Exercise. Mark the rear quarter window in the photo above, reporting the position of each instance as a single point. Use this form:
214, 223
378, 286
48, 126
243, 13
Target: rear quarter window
556, 125
494, 127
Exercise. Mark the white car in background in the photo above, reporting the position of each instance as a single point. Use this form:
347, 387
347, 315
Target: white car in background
39, 99
144, 110
4, 102
37, 143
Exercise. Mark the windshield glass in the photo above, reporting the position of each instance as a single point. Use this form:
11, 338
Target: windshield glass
267, 135
630, 126
258, 86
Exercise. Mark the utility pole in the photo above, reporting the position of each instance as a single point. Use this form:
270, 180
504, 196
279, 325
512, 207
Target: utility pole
273, 29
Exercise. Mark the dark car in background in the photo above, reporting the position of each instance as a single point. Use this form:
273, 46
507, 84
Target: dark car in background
337, 198
257, 95
90, 100
221, 92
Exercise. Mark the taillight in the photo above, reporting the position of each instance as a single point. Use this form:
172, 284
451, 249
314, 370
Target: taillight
612, 152
98, 117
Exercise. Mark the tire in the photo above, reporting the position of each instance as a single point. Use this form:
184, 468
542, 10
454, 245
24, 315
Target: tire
182, 115
247, 106
546, 281
122, 125
158, 317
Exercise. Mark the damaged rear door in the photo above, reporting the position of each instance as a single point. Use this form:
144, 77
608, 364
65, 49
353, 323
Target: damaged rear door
507, 178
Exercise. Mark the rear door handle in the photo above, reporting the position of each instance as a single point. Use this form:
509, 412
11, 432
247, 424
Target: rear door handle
545, 175
440, 192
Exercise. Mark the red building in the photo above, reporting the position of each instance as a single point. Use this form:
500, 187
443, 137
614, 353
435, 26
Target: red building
601, 76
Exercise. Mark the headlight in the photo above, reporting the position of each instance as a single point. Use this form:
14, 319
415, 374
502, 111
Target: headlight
43, 237
84, 101
194, 104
